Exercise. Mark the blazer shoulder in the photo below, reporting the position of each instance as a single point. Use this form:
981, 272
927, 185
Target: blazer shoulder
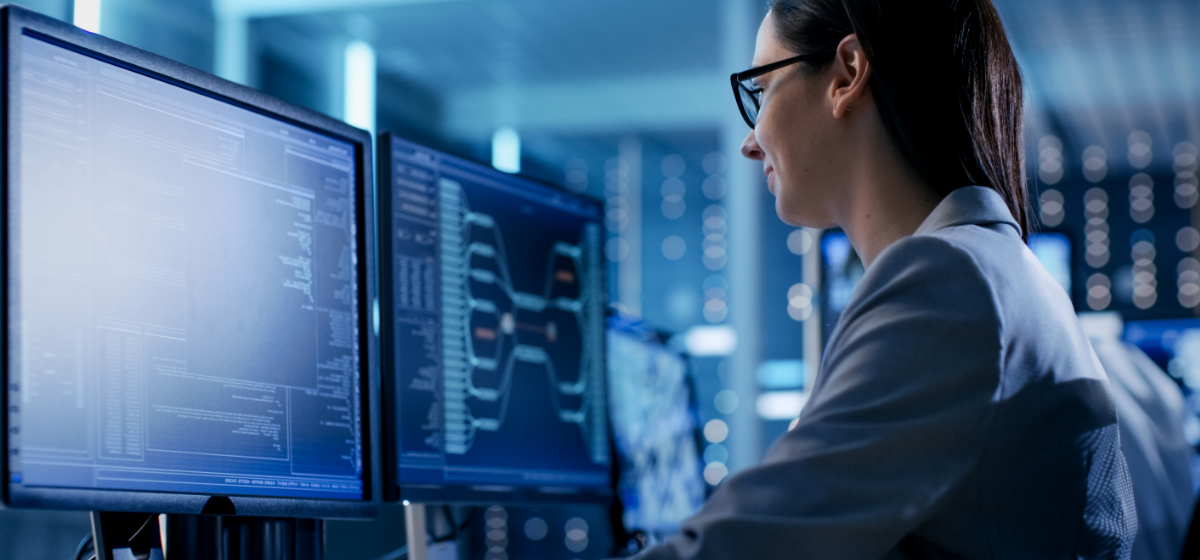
931, 264
921, 281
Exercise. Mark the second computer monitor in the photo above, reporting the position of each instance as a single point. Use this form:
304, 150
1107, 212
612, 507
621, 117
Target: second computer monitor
494, 301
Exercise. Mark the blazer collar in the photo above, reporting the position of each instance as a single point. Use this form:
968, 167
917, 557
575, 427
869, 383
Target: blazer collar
969, 206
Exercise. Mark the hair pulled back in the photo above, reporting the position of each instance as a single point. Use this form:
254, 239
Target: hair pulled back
944, 79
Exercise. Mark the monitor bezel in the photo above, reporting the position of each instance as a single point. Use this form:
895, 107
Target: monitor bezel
394, 490
16, 22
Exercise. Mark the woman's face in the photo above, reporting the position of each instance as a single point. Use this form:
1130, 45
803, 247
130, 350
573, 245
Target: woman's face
787, 136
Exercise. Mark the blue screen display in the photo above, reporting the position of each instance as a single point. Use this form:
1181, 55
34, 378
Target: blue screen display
654, 424
498, 309
184, 291
1053, 250
1174, 344
842, 269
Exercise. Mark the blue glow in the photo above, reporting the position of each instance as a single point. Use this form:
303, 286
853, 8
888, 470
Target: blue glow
87, 15
781, 374
506, 150
1054, 252
843, 270
1173, 344
359, 100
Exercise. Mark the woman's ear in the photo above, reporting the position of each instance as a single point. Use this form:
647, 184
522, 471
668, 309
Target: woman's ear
850, 87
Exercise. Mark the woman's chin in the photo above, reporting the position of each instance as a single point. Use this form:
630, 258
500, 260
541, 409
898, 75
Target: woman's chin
789, 218
792, 217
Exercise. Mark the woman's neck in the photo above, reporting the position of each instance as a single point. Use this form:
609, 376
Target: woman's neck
887, 200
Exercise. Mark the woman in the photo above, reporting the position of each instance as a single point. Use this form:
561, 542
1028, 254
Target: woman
959, 411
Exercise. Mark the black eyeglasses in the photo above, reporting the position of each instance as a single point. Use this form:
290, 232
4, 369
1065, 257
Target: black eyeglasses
747, 93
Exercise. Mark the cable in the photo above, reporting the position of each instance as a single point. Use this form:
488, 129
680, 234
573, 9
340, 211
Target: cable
455, 528
397, 554
86, 550
453, 534
467, 521
143, 527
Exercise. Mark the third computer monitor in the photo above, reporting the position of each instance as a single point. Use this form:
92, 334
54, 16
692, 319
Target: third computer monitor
655, 425
494, 317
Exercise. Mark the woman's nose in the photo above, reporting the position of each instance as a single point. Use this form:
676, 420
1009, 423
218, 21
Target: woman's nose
750, 147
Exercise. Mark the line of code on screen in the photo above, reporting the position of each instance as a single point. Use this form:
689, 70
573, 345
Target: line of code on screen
184, 290
498, 306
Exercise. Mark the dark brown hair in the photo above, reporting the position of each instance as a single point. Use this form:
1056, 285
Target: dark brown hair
944, 80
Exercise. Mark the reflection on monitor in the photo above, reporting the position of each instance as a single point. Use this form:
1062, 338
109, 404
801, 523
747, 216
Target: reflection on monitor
184, 289
661, 479
1054, 252
1174, 344
495, 288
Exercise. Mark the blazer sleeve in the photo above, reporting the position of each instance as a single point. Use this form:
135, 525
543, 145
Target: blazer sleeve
897, 420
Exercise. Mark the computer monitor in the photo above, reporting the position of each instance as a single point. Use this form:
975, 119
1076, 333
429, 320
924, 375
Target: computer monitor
1053, 250
1173, 344
842, 269
655, 420
188, 279
494, 302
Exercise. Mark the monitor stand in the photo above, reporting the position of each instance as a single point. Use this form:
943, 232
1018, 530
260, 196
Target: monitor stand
269, 538
138, 536
415, 531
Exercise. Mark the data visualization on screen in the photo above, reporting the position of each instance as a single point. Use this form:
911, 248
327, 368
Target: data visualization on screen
497, 303
184, 291
654, 424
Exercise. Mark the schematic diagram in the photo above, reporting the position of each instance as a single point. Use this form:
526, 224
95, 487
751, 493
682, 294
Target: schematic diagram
498, 326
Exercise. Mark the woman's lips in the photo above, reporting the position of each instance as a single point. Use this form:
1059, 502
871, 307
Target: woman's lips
770, 172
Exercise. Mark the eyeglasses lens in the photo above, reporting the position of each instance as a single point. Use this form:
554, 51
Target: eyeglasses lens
749, 103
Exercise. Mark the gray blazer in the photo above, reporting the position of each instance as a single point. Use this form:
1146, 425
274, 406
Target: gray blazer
959, 412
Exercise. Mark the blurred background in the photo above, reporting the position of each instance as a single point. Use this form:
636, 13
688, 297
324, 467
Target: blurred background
629, 102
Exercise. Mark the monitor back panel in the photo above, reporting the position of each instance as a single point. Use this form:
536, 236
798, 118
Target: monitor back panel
495, 376
186, 284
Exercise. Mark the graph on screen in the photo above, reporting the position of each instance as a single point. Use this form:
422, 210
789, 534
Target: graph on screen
490, 326
499, 330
